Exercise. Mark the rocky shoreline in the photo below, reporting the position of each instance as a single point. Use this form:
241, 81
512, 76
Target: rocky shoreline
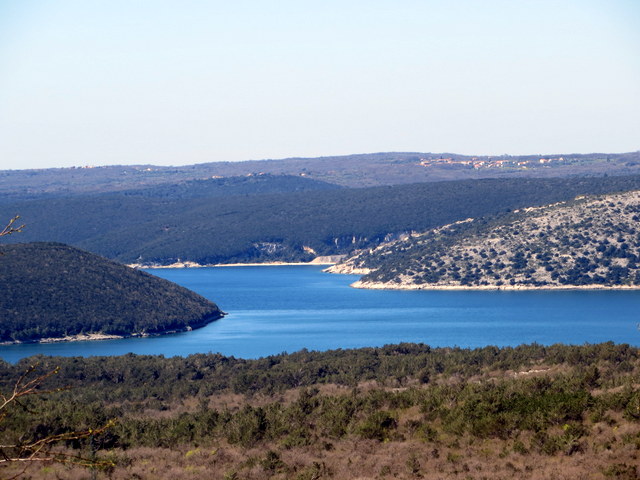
427, 286
83, 337
347, 269
322, 260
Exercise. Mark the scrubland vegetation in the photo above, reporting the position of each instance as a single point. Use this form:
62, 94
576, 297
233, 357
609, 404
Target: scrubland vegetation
401, 411
592, 241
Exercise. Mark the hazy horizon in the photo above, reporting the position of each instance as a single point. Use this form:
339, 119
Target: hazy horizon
542, 154
171, 84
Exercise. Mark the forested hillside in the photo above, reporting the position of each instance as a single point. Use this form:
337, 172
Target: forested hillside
402, 411
232, 186
294, 226
52, 290
590, 242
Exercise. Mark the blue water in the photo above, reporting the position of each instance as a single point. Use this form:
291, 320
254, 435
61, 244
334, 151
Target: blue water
287, 308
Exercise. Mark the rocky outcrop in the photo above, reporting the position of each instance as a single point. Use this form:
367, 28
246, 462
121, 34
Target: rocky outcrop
591, 242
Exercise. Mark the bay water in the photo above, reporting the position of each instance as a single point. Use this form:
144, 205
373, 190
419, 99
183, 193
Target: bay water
275, 309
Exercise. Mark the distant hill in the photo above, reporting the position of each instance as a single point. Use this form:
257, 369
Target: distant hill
292, 226
589, 242
66, 183
51, 290
362, 170
232, 186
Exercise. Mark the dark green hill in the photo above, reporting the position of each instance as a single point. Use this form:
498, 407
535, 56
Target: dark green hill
51, 290
282, 226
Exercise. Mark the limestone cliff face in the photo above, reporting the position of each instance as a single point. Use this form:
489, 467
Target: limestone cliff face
327, 259
589, 242
348, 269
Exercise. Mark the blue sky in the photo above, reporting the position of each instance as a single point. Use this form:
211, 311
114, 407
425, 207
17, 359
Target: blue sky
181, 82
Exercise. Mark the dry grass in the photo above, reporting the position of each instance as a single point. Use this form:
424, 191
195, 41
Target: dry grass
360, 459
611, 449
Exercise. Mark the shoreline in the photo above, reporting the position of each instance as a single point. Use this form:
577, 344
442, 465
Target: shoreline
92, 337
386, 286
270, 264
222, 265
81, 337
315, 261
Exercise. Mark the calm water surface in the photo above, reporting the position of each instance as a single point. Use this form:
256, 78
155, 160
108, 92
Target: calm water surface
287, 308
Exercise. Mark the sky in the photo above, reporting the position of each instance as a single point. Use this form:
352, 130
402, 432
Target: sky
107, 82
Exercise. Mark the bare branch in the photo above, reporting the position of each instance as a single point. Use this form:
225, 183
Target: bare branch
41, 450
22, 388
10, 228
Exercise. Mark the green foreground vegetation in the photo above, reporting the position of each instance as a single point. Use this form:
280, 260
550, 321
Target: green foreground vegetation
400, 411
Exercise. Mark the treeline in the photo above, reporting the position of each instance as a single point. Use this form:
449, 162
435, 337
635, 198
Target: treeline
53, 290
530, 400
142, 378
277, 226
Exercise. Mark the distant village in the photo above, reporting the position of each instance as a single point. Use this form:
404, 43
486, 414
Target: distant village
479, 163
